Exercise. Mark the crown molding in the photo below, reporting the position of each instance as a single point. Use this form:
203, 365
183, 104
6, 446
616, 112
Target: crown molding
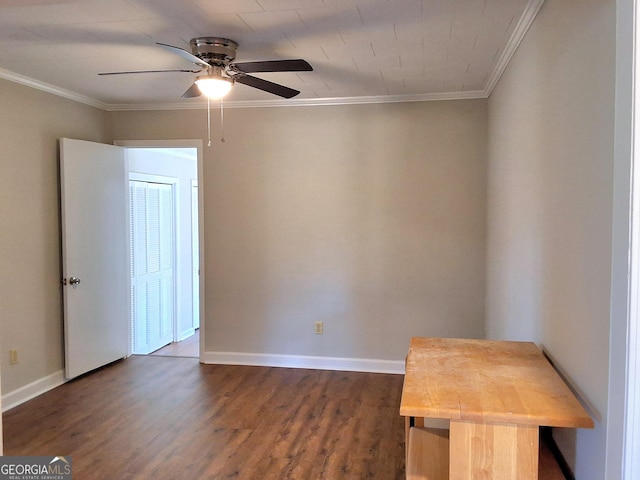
525, 21
48, 88
302, 102
529, 14
299, 102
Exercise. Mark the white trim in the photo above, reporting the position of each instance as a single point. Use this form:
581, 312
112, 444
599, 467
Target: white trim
151, 144
47, 87
189, 332
631, 445
303, 361
181, 153
196, 320
302, 102
32, 390
529, 14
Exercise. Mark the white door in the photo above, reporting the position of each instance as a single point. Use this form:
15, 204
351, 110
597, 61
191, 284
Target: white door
152, 228
95, 254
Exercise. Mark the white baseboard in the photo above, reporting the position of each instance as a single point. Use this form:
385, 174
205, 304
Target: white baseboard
43, 385
186, 334
303, 361
32, 390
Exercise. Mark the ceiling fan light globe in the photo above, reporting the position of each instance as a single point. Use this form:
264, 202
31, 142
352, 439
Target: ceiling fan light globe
214, 87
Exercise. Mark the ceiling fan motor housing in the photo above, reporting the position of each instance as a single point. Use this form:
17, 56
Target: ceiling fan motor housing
214, 50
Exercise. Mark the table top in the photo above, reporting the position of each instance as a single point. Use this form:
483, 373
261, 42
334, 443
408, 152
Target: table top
487, 381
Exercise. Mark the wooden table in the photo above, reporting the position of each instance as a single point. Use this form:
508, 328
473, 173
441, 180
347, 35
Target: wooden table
495, 395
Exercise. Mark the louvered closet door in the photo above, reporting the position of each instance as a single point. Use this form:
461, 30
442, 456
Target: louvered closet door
152, 265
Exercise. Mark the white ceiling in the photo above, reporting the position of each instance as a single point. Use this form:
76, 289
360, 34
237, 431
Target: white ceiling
361, 50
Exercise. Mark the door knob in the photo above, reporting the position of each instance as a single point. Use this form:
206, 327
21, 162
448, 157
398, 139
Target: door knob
74, 281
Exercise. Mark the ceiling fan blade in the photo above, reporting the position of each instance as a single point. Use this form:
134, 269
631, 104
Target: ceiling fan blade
184, 54
148, 71
192, 91
266, 86
297, 65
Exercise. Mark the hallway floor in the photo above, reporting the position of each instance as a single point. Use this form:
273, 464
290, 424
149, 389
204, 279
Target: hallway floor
189, 347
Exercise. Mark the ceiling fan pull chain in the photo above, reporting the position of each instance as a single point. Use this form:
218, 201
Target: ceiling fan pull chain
209, 121
221, 121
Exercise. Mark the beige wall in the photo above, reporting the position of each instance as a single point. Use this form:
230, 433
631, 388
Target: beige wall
30, 315
369, 218
549, 230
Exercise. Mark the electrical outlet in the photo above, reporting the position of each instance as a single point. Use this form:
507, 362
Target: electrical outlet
13, 357
318, 327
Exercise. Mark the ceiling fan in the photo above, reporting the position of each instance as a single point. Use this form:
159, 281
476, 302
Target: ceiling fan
215, 56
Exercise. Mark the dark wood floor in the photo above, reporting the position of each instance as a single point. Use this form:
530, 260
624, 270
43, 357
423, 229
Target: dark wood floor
153, 417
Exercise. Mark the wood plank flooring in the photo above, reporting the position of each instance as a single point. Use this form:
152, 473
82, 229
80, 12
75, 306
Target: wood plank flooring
153, 417
189, 347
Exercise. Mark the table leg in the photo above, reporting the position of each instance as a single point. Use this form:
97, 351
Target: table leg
493, 451
408, 423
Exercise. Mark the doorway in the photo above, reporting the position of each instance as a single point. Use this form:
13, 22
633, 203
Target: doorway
156, 167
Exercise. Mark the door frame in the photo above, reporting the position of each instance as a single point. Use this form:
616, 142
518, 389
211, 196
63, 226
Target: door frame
631, 467
198, 145
194, 184
623, 409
